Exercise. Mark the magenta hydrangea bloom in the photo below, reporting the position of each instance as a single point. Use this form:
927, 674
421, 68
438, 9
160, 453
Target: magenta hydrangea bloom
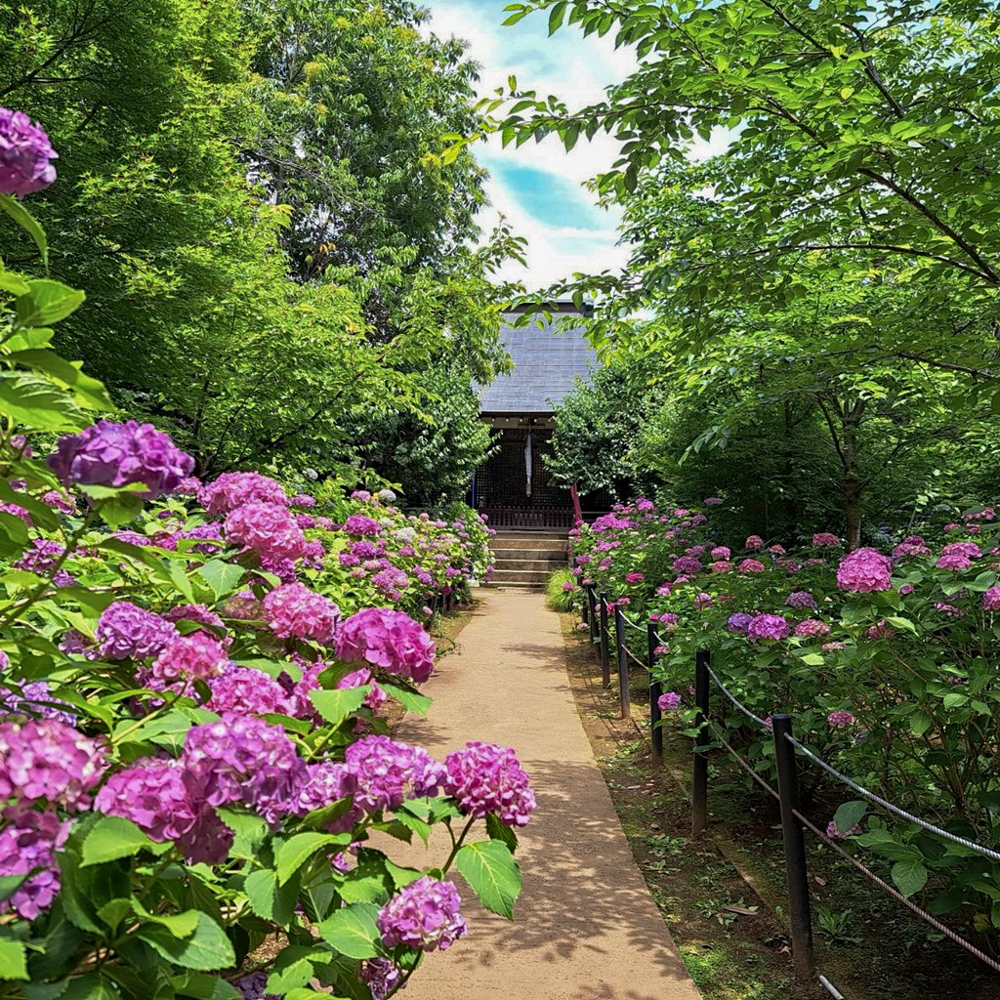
41, 555
375, 698
198, 613
267, 528
953, 561
246, 691
125, 630
840, 719
721, 566
158, 795
234, 489
109, 454
195, 656
752, 566
46, 760
825, 539
424, 916
669, 701
28, 843
686, 565
26, 155
484, 778
812, 627
721, 552
991, 599
36, 700
800, 599
634, 578
324, 784
241, 758
388, 773
767, 627
358, 524
387, 639
15, 510
294, 610
864, 571
753, 542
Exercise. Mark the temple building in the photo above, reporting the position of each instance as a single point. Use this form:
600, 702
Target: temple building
514, 487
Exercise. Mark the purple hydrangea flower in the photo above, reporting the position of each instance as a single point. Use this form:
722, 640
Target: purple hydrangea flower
246, 691
484, 778
36, 699
324, 784
25, 155
380, 976
835, 833
991, 599
388, 773
424, 915
294, 610
28, 844
800, 599
767, 627
840, 719
125, 631
358, 524
109, 454
739, 622
669, 701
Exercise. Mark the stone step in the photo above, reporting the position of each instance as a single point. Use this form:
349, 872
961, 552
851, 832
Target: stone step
537, 577
540, 565
499, 543
548, 555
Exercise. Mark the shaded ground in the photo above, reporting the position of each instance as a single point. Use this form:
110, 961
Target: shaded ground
722, 893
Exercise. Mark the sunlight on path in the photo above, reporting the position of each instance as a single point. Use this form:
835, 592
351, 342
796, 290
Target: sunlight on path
586, 927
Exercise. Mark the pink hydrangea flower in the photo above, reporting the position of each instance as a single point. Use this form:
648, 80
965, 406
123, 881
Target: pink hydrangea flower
712, 501
484, 778
721, 552
669, 701
991, 599
47, 760
835, 833
864, 570
387, 639
234, 489
195, 656
375, 698
752, 566
294, 610
812, 627
246, 691
840, 719
954, 561
322, 785
632, 578
686, 565
753, 542
268, 529
825, 539
424, 915
721, 566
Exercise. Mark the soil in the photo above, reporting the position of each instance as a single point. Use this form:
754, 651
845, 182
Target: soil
722, 893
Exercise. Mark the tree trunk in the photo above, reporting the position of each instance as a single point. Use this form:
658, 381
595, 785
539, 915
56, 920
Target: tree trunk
853, 484
852, 511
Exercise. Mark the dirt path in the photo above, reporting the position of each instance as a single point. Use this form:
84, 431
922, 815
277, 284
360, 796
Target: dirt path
586, 927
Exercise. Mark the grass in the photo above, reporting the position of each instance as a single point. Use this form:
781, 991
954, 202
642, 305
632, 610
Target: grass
556, 596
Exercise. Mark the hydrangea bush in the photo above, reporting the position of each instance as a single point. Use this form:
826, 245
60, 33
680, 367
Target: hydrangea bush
887, 660
192, 761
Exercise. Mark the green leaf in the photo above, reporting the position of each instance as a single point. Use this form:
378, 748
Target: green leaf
13, 959
337, 705
954, 699
293, 969
920, 722
493, 874
13, 283
47, 302
910, 876
27, 222
268, 899
89, 392
9, 884
849, 815
207, 949
412, 701
352, 931
201, 986
113, 837
35, 402
813, 659
181, 925
294, 853
498, 831
222, 577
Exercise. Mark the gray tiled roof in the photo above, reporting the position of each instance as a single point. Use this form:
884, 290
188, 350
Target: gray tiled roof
546, 364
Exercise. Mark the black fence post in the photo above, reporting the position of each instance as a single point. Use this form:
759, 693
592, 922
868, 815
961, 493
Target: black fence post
605, 653
655, 690
699, 784
592, 617
795, 849
624, 697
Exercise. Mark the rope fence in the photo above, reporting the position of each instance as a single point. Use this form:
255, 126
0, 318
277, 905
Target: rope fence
608, 623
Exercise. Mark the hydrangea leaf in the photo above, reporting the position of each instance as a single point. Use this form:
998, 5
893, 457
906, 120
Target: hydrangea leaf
201, 986
352, 931
294, 853
222, 577
910, 876
207, 949
32, 400
492, 873
268, 899
113, 837
13, 959
335, 706
47, 302
849, 815
412, 701
28, 223
9, 884
293, 969
500, 831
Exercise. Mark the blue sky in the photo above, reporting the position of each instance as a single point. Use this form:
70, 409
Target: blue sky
538, 187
